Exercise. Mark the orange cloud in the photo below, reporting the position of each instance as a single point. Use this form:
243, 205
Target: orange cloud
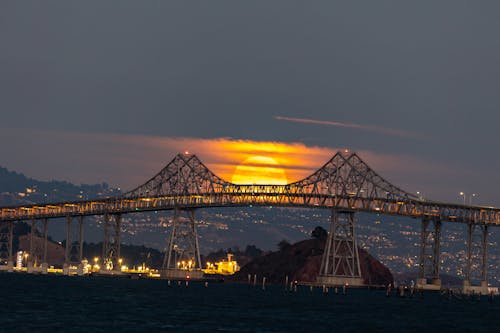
226, 156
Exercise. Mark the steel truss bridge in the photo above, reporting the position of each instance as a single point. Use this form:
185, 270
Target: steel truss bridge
345, 184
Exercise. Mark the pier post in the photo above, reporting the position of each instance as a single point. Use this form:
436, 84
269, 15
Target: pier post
80, 239
45, 265
66, 266
105, 241
31, 258
10, 259
117, 241
80, 246
484, 263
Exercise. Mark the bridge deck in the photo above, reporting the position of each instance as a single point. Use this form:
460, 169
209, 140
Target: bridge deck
410, 208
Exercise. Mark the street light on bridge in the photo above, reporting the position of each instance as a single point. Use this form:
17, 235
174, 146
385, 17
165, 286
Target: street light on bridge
462, 194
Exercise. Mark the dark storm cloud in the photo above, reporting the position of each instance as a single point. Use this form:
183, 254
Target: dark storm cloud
224, 68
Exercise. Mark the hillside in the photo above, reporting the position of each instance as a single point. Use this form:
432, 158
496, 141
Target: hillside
301, 261
16, 188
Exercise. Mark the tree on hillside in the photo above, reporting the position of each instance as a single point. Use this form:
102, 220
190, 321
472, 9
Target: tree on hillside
283, 244
253, 251
319, 233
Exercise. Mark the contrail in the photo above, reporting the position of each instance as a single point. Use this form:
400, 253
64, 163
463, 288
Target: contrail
373, 128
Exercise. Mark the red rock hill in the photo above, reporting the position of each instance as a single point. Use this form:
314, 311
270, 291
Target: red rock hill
301, 261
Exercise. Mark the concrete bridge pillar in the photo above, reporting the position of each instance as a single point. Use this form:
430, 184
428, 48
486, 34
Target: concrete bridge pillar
45, 265
66, 265
340, 263
10, 260
182, 256
476, 260
430, 254
68, 244
32, 255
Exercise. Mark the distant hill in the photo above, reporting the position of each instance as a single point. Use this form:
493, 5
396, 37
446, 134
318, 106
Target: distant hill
16, 188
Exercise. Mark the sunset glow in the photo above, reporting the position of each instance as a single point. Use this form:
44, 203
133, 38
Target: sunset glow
251, 162
259, 170
258, 162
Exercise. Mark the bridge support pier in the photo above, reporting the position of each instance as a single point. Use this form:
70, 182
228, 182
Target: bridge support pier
45, 265
74, 249
340, 263
182, 257
6, 236
111, 244
32, 258
477, 245
430, 253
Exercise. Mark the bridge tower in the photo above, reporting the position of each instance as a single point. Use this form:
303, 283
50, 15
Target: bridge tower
6, 237
111, 244
430, 254
182, 256
476, 258
74, 246
340, 263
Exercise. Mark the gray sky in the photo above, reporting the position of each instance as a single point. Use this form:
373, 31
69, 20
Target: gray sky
415, 79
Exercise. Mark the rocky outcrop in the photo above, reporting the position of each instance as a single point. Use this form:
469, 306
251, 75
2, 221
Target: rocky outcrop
301, 261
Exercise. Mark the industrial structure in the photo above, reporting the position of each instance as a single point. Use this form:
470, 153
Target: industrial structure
345, 185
